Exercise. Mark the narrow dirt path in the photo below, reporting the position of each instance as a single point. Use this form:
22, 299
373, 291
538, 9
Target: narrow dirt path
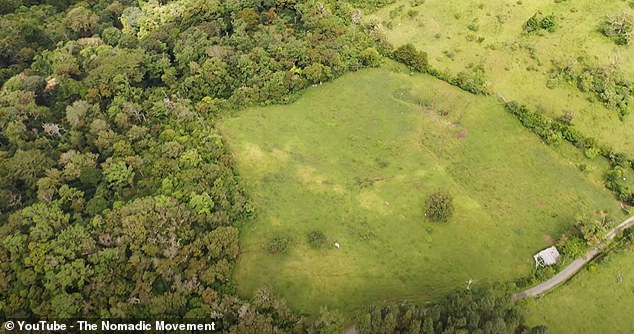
575, 266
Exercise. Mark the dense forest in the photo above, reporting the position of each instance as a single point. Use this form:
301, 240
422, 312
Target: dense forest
118, 196
461, 312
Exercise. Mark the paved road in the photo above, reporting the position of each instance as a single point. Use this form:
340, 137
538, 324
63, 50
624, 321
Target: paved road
575, 266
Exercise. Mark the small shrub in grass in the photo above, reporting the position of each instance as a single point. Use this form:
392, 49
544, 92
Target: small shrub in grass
278, 244
439, 207
538, 22
619, 27
567, 117
316, 239
591, 152
473, 26
549, 23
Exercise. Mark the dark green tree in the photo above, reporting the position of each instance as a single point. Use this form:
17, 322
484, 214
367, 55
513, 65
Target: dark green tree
439, 207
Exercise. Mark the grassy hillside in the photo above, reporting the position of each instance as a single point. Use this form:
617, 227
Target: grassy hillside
356, 158
460, 35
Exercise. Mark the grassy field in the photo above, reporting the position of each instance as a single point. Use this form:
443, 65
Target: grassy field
460, 34
356, 158
592, 302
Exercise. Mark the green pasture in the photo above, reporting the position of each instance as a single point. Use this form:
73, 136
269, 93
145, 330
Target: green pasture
356, 158
461, 34
599, 300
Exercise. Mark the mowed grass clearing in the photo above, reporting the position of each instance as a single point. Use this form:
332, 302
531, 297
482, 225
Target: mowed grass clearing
518, 65
356, 158
592, 302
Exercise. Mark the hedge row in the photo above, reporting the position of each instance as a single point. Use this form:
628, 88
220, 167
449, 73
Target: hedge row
471, 81
553, 131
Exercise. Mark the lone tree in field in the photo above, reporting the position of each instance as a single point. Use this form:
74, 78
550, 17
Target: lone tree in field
439, 207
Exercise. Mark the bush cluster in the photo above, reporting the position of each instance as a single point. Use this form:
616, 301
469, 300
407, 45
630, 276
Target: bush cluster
547, 129
619, 27
540, 22
467, 311
607, 83
614, 181
410, 56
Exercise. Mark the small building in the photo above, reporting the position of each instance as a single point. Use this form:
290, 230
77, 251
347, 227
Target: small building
546, 257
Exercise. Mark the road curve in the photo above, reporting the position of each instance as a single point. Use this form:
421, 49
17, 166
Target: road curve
575, 266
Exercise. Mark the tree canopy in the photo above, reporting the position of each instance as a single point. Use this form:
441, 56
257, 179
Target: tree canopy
460, 312
439, 207
118, 196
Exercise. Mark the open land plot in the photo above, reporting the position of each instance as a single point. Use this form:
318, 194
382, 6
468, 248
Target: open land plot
599, 300
462, 34
356, 158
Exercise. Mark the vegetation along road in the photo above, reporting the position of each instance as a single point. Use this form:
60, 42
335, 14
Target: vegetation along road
575, 266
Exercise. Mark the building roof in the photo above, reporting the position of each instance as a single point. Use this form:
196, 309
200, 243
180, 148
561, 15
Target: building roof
547, 257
